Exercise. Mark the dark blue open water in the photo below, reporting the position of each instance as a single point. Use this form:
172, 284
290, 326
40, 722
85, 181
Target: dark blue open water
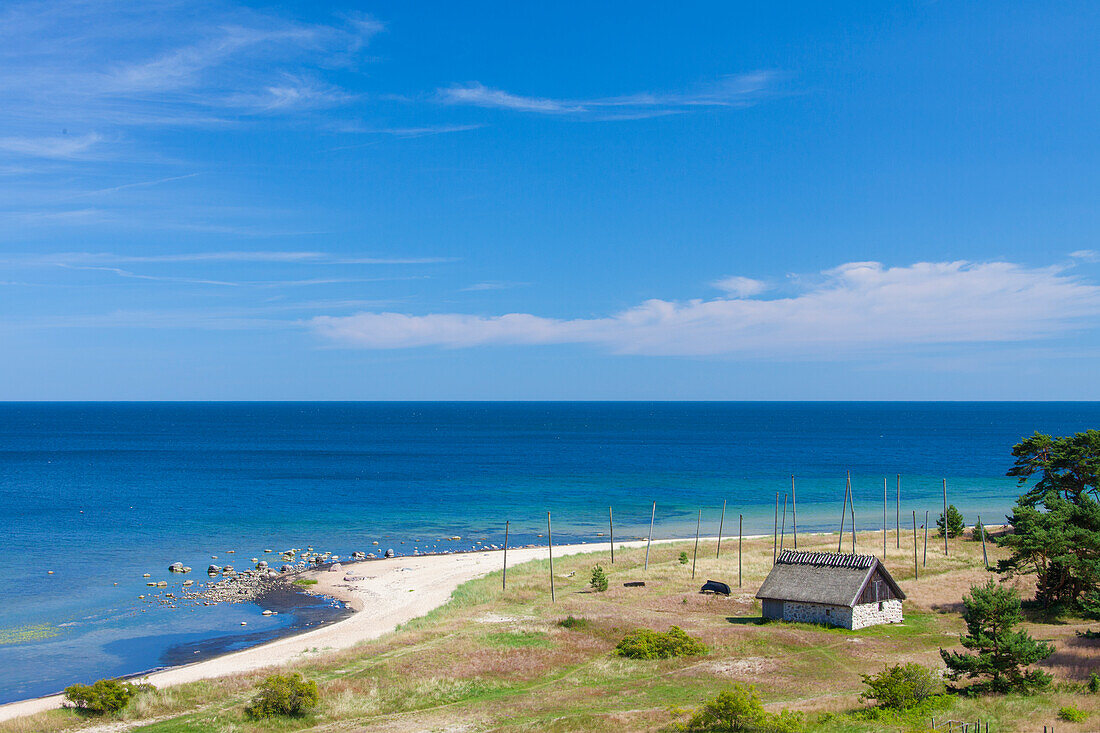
103, 492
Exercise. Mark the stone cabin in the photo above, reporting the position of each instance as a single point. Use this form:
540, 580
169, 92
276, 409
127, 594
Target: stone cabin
852, 591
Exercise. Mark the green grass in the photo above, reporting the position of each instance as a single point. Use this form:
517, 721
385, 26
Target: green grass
305, 581
519, 639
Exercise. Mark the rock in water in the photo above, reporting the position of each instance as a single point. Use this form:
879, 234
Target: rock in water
261, 565
390, 553
213, 570
176, 567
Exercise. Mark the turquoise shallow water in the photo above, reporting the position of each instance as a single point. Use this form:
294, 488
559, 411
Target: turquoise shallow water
103, 492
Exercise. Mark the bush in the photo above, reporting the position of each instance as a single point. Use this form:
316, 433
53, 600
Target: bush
104, 696
649, 644
902, 686
1094, 682
283, 694
979, 530
740, 709
683, 558
572, 622
1072, 714
955, 523
599, 579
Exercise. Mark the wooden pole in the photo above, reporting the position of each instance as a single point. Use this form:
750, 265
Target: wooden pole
721, 522
550, 540
740, 526
915, 576
648, 541
852, 506
783, 526
504, 578
611, 527
794, 513
843, 513
883, 517
924, 562
945, 516
985, 557
897, 507
695, 554
775, 529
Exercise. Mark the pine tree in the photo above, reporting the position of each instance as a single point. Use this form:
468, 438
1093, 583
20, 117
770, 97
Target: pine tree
1056, 523
1000, 652
599, 579
954, 522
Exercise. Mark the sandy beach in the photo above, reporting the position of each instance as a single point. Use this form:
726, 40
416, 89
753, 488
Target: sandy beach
389, 592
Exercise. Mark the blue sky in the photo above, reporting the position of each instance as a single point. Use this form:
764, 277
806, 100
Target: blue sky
570, 201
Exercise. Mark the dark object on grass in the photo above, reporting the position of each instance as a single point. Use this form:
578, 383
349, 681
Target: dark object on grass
634, 584
714, 586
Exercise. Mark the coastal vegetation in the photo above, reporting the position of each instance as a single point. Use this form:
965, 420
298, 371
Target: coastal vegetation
1056, 522
1000, 652
283, 694
649, 644
952, 523
599, 579
105, 696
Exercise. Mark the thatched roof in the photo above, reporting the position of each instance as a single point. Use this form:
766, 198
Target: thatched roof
823, 577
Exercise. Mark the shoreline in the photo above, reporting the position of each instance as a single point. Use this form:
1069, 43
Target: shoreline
386, 593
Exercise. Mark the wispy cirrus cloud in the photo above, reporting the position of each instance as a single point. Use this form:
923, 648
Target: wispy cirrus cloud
738, 90
103, 67
58, 147
856, 308
270, 256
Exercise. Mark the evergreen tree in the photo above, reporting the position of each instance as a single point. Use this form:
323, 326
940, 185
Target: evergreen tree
599, 579
1000, 652
954, 522
1056, 523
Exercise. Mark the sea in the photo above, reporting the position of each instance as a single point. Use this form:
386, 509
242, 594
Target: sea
102, 493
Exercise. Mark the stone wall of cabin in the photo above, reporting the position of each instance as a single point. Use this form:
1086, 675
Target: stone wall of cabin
817, 613
868, 614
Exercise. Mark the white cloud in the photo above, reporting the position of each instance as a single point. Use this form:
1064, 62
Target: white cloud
859, 306
61, 147
1087, 255
125, 65
729, 91
741, 287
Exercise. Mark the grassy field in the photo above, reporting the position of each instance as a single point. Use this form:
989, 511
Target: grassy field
501, 660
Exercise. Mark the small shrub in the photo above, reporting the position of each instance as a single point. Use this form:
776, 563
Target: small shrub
104, 696
305, 581
1094, 682
1072, 714
599, 579
740, 709
979, 529
902, 686
572, 622
683, 558
649, 644
283, 694
955, 523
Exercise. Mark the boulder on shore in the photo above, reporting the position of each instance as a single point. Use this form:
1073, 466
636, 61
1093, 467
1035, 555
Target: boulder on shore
261, 565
